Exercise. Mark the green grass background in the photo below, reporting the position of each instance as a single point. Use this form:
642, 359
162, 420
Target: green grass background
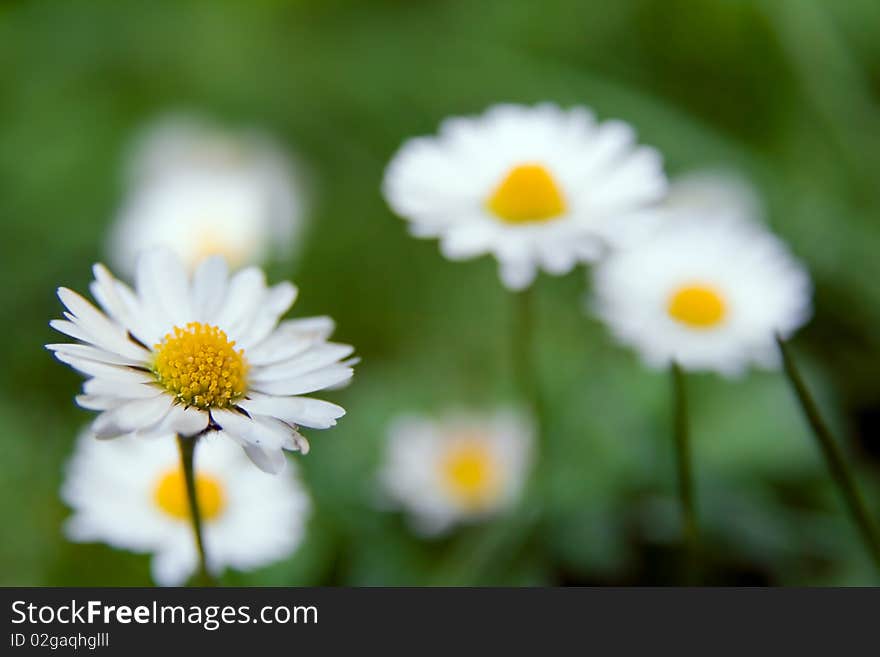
784, 91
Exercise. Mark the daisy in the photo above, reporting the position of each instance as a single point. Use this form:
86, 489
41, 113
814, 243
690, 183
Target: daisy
130, 494
188, 356
200, 192
707, 293
538, 187
458, 469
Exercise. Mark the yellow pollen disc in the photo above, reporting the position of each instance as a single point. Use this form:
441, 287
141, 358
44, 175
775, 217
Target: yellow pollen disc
170, 495
470, 474
528, 194
200, 366
697, 306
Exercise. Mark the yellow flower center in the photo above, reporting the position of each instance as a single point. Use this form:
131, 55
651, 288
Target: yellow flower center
528, 194
170, 495
200, 366
470, 474
697, 306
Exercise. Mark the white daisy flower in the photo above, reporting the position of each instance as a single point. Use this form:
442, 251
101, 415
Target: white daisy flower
462, 468
708, 293
131, 494
538, 187
208, 354
200, 192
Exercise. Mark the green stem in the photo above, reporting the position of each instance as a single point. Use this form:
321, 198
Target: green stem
684, 468
187, 461
490, 550
525, 370
840, 471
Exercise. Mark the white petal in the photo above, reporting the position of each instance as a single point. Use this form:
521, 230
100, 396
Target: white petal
91, 353
183, 421
517, 275
172, 567
137, 415
248, 430
467, 241
98, 402
281, 345
277, 301
209, 288
315, 358
270, 461
302, 411
105, 371
121, 390
301, 385
246, 291
319, 327
163, 285
105, 290
96, 327
70, 329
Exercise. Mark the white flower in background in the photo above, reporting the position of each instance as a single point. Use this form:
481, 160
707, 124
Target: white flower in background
131, 494
200, 192
714, 192
709, 293
457, 469
186, 356
538, 187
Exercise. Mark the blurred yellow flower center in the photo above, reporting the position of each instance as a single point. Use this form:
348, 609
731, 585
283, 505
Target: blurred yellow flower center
528, 194
170, 495
470, 474
698, 306
200, 366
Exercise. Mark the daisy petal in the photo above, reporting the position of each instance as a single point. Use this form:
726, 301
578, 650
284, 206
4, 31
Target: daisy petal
209, 288
120, 389
302, 411
172, 567
315, 358
140, 415
270, 461
301, 385
162, 285
248, 430
278, 301
246, 291
70, 329
104, 289
184, 421
96, 328
105, 371
88, 352
281, 345
98, 402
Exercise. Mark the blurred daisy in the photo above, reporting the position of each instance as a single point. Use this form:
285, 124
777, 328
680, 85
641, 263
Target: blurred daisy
714, 192
462, 468
208, 354
538, 187
708, 293
131, 495
200, 192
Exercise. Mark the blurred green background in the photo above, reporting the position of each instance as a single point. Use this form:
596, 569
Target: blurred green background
785, 91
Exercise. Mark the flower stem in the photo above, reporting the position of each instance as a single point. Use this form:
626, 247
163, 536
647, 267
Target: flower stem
525, 370
833, 455
685, 471
187, 447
